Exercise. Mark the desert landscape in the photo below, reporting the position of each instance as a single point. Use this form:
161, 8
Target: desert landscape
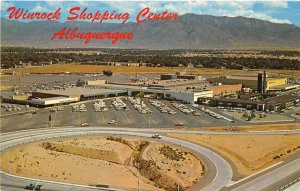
77, 68
268, 127
248, 153
118, 162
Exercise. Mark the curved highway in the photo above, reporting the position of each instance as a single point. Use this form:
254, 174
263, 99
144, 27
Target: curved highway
221, 176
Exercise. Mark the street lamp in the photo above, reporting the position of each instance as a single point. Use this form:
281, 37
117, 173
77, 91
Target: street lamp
148, 120
117, 120
138, 171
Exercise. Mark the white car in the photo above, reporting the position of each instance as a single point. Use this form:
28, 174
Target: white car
84, 125
112, 122
156, 136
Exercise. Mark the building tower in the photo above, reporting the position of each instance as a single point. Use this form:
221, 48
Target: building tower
265, 82
260, 83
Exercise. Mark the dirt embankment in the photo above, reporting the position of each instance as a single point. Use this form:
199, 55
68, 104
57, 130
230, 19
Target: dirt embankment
109, 156
149, 169
165, 174
119, 162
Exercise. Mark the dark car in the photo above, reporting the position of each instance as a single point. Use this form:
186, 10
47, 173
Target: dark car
34, 186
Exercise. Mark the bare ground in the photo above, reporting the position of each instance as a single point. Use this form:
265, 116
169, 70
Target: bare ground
97, 160
249, 153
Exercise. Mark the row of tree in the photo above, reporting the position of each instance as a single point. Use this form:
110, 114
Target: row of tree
11, 57
155, 52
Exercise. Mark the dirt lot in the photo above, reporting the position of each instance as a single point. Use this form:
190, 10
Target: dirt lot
75, 68
5, 87
98, 160
273, 127
258, 118
249, 153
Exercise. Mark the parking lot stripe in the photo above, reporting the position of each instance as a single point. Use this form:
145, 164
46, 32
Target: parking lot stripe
102, 116
124, 113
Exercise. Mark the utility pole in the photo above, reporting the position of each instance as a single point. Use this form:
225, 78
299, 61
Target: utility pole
19, 81
241, 170
138, 166
211, 163
117, 118
148, 120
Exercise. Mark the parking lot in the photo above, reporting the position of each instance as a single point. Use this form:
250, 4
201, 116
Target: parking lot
11, 109
110, 115
123, 112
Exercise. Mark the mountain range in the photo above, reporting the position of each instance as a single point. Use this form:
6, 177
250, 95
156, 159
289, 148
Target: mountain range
190, 31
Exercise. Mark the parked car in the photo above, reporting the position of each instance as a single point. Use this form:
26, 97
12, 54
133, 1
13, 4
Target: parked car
112, 122
34, 186
156, 136
84, 125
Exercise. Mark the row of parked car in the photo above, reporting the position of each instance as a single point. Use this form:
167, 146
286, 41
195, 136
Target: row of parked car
119, 104
211, 113
162, 107
54, 109
139, 105
232, 109
183, 108
79, 108
99, 105
10, 108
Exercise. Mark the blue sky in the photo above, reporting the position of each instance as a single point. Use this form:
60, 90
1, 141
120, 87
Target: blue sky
274, 11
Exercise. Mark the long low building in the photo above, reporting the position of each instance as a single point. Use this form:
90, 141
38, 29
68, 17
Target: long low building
112, 90
187, 96
284, 87
81, 93
235, 103
225, 89
272, 104
249, 82
52, 101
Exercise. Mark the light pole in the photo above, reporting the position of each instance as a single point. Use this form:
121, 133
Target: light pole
117, 118
148, 120
241, 170
211, 163
138, 171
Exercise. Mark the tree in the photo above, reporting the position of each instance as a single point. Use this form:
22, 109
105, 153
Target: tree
253, 115
107, 72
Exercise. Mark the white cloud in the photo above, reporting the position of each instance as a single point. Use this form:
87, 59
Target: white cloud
82, 3
39, 8
248, 13
155, 6
5, 5
54, 4
217, 8
127, 6
196, 3
277, 4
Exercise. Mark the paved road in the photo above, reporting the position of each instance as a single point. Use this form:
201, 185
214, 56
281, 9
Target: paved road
6, 136
271, 177
221, 177
295, 187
